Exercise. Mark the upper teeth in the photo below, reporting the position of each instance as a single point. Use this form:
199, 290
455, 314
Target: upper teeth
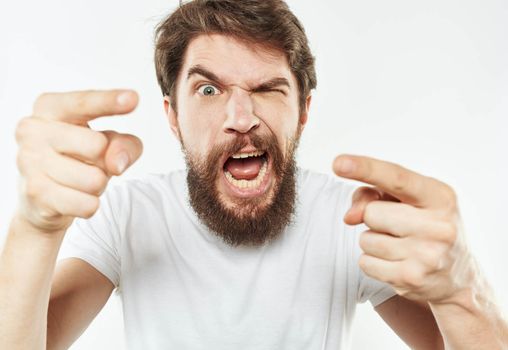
246, 155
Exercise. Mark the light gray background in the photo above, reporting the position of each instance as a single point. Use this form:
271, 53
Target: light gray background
423, 84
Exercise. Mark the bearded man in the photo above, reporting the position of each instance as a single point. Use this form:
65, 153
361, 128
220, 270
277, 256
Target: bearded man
242, 250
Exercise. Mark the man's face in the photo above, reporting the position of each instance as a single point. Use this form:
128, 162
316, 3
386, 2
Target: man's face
238, 120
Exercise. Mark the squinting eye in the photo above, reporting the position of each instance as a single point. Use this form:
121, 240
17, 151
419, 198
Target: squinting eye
208, 90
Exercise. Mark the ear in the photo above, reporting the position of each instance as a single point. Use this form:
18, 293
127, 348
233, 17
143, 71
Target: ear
305, 114
172, 117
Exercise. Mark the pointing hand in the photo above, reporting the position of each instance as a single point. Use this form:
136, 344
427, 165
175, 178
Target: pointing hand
415, 240
64, 165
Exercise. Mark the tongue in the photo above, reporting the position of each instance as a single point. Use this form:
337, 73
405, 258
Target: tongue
244, 168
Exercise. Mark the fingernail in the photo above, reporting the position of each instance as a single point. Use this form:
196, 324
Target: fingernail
348, 216
124, 98
346, 166
122, 161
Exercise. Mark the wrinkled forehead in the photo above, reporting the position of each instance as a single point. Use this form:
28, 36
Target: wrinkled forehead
236, 62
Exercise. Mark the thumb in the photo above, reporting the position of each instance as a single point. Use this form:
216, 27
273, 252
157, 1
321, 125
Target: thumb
361, 198
123, 150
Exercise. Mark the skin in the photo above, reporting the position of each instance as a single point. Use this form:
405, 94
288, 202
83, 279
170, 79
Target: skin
64, 167
418, 258
254, 92
415, 243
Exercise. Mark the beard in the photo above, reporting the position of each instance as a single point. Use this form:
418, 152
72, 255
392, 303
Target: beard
244, 221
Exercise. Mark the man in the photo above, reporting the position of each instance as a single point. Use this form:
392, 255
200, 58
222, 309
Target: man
242, 250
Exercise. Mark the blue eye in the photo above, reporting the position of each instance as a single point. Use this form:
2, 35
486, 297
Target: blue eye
208, 90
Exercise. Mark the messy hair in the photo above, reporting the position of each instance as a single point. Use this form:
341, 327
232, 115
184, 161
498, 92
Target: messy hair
269, 23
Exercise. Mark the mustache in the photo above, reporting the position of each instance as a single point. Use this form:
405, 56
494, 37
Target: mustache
260, 142
267, 143
210, 166
254, 224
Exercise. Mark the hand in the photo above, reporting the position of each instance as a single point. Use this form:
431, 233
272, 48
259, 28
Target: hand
64, 165
415, 241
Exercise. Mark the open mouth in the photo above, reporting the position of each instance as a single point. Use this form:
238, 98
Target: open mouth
247, 173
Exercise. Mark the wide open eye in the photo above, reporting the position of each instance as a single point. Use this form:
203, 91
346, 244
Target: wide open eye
208, 90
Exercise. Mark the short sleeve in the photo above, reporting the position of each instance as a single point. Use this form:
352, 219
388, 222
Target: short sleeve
368, 288
97, 240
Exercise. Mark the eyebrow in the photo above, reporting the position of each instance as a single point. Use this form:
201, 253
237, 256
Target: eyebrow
271, 84
199, 70
267, 85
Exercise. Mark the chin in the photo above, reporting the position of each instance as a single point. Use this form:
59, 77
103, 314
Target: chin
244, 191
249, 206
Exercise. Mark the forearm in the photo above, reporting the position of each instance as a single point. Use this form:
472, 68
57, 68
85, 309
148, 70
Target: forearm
472, 320
27, 264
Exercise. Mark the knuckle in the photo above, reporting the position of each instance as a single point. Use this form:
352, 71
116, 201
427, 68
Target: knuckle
89, 207
98, 145
368, 213
32, 189
412, 277
23, 160
364, 241
449, 197
363, 262
40, 101
433, 258
97, 181
449, 232
23, 128
402, 179
46, 214
80, 101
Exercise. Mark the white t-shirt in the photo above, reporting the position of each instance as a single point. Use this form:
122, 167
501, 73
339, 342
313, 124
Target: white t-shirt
182, 287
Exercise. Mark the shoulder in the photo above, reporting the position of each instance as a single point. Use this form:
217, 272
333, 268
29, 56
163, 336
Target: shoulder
147, 190
323, 187
323, 196
149, 184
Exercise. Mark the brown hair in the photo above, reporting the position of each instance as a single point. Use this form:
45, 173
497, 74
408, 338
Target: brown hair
266, 22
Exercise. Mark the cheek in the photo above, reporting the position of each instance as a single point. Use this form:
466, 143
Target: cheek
199, 132
281, 119
275, 109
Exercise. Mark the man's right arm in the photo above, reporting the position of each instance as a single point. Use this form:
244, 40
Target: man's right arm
64, 167
75, 290
78, 293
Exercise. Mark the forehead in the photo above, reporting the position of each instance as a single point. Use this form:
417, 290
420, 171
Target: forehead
236, 61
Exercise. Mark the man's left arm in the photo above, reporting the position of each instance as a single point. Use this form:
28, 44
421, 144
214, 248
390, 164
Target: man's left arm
413, 322
415, 243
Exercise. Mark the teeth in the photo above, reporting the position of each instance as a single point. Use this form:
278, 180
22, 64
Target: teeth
254, 183
246, 155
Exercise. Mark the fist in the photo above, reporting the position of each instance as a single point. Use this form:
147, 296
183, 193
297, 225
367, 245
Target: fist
64, 165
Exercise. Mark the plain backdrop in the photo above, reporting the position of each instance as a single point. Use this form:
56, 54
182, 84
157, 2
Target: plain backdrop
420, 83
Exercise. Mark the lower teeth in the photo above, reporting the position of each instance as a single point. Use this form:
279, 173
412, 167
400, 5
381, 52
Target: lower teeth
248, 183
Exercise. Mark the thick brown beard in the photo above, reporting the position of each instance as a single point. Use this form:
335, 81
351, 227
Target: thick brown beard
250, 222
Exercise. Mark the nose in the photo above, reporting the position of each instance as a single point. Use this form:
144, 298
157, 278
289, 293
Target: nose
240, 115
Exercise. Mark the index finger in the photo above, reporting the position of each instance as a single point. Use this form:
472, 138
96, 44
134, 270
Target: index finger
406, 185
79, 107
